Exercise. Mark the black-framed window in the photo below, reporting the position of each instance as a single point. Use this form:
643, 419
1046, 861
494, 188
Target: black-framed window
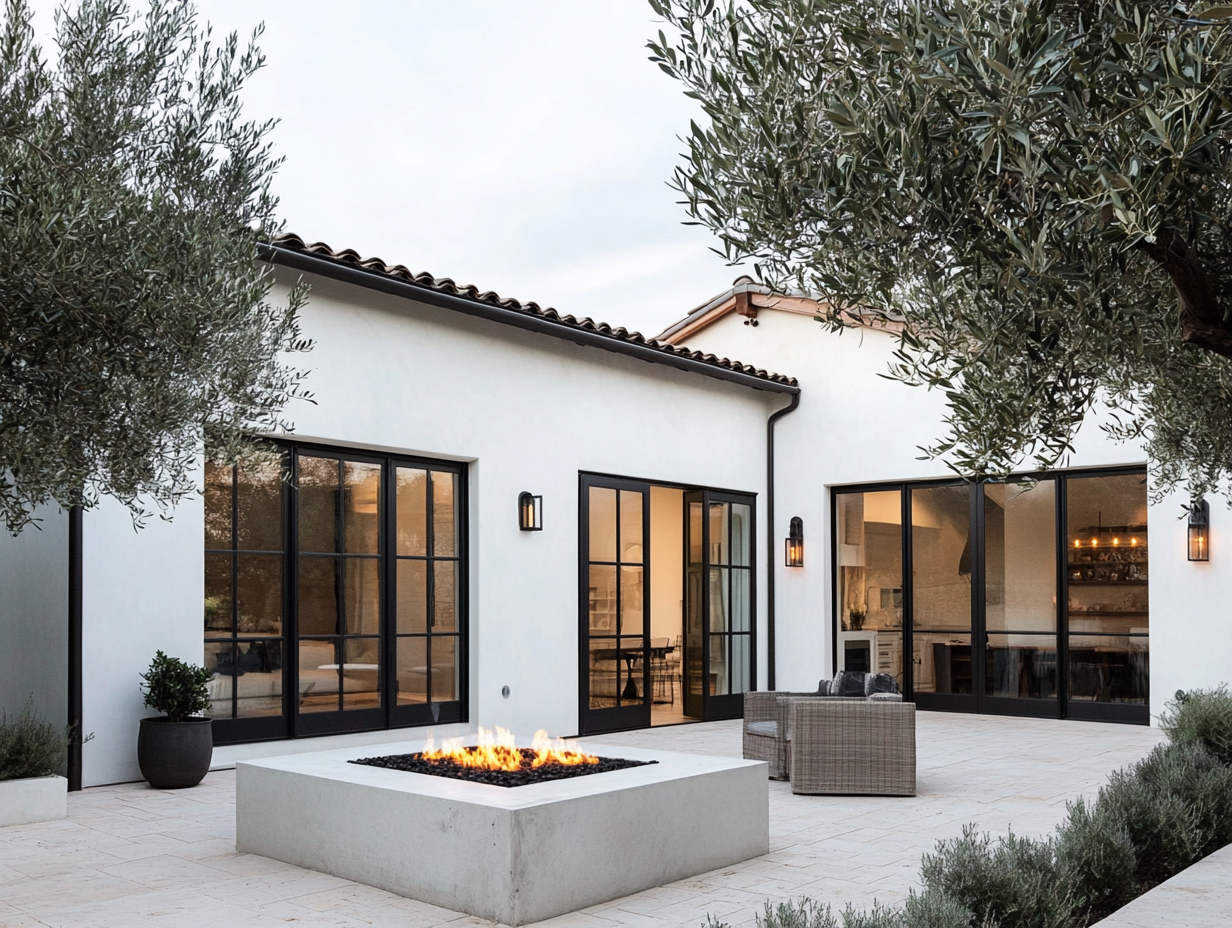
1026, 596
335, 593
244, 603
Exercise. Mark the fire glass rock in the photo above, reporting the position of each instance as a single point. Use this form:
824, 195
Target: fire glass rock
416, 763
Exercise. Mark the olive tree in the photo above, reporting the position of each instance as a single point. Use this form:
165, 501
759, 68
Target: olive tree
135, 321
1038, 191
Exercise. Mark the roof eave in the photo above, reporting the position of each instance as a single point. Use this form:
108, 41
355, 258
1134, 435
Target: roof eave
375, 280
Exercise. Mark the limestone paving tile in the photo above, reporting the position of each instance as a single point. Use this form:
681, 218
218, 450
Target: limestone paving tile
1017, 772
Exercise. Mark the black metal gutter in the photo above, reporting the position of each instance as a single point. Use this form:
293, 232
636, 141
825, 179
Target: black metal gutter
375, 280
771, 546
74, 646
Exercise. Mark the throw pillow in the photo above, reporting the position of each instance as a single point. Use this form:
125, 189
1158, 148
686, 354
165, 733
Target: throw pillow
880, 683
848, 683
823, 688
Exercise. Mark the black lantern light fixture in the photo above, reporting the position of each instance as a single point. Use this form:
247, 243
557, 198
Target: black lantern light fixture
795, 542
530, 512
1199, 531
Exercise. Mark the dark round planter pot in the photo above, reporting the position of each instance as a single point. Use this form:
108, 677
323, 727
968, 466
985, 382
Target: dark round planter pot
174, 755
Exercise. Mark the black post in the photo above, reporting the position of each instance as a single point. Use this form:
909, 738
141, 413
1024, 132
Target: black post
74, 646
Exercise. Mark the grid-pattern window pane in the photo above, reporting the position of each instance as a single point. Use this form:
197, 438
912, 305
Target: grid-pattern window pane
339, 591
362, 604
616, 594
244, 602
427, 582
728, 588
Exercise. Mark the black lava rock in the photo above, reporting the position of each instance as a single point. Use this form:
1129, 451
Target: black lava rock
415, 763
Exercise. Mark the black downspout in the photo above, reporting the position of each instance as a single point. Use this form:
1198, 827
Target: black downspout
74, 647
770, 546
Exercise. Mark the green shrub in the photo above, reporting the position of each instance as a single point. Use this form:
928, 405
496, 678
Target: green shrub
1011, 883
879, 916
1176, 805
175, 687
929, 910
30, 747
1203, 716
1096, 859
803, 914
934, 909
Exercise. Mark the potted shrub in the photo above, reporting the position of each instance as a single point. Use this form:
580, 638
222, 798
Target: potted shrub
31, 761
174, 749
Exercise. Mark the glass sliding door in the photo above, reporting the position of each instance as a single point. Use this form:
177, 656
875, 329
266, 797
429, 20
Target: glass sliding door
1020, 597
615, 610
244, 601
1026, 597
728, 604
339, 592
1106, 597
719, 596
869, 530
335, 594
427, 576
947, 667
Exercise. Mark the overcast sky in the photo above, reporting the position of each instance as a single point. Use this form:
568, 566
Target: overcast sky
520, 145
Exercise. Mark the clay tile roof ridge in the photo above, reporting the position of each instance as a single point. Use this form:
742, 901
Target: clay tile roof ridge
292, 242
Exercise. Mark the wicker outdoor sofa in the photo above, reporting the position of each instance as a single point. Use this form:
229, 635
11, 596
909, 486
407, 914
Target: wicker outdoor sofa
833, 744
852, 746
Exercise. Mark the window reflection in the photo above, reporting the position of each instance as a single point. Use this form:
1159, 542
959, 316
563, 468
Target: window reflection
870, 582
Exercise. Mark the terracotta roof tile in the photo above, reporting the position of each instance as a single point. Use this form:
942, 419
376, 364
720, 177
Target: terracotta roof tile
445, 285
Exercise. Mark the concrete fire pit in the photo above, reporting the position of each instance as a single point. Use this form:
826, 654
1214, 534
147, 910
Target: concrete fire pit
510, 855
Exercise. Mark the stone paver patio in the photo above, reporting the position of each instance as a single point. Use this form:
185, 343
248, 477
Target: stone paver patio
131, 857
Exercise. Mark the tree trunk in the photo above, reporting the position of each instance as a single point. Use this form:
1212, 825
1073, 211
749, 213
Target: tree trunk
1202, 321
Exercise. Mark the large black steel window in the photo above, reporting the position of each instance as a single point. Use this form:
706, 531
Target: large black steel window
1025, 597
335, 594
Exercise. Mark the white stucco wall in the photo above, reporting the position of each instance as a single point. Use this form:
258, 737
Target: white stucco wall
141, 592
530, 413
1191, 630
34, 617
527, 412
852, 427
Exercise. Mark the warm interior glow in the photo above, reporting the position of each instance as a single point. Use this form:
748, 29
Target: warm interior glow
1077, 543
1116, 541
1133, 541
1094, 542
498, 750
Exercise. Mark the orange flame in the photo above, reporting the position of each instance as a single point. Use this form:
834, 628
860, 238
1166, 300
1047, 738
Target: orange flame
499, 751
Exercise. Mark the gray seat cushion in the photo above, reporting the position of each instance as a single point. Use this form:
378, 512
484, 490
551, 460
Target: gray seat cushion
848, 683
764, 729
885, 697
879, 683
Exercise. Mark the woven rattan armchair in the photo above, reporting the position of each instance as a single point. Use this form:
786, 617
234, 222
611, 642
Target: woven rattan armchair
765, 729
852, 746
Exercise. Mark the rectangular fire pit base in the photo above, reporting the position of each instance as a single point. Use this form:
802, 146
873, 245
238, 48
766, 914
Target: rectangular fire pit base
510, 855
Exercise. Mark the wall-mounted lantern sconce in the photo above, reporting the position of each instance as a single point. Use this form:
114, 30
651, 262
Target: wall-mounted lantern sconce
795, 542
1199, 531
530, 512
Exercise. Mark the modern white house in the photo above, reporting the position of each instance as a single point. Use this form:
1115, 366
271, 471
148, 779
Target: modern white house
494, 514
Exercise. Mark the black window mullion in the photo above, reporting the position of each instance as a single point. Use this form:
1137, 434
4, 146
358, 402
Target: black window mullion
235, 590
1062, 588
429, 581
907, 579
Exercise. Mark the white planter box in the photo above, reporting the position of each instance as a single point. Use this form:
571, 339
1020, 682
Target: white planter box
37, 799
512, 856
